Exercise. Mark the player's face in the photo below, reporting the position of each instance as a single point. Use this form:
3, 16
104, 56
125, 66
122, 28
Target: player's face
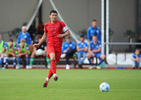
81, 39
10, 43
137, 52
94, 38
24, 30
22, 43
68, 40
94, 24
0, 36
53, 17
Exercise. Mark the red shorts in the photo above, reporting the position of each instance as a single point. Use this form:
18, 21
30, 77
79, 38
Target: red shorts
56, 50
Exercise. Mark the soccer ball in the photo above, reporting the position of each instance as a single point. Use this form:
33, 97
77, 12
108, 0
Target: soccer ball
104, 87
39, 52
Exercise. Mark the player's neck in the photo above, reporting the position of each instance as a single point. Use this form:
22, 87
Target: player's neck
95, 42
52, 22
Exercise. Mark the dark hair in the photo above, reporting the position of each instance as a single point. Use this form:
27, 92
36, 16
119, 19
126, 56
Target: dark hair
39, 36
94, 20
53, 11
136, 49
68, 37
95, 34
82, 36
11, 40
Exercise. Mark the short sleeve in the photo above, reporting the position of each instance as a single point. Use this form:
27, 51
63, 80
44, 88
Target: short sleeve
45, 28
134, 56
18, 47
27, 48
6, 46
64, 27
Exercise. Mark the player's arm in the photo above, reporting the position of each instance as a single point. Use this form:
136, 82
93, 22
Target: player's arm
65, 34
88, 36
98, 50
133, 59
42, 40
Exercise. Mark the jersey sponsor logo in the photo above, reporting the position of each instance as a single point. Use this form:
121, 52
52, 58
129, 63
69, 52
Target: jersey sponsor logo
70, 45
97, 31
92, 31
25, 36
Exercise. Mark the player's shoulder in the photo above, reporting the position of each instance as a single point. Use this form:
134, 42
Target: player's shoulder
97, 27
79, 43
89, 28
64, 43
47, 23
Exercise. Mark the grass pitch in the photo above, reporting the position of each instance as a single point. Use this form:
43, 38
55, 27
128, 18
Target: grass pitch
71, 85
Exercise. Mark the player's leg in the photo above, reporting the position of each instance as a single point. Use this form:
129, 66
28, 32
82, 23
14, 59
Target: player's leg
83, 58
134, 64
32, 59
68, 55
14, 60
27, 60
102, 58
89, 57
139, 64
7, 59
1, 60
79, 58
18, 61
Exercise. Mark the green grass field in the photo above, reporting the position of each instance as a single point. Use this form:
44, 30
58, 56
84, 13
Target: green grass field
71, 85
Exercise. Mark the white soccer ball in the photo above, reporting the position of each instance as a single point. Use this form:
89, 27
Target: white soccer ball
39, 52
104, 87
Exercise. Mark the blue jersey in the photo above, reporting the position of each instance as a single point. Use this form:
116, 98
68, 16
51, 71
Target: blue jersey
71, 45
10, 47
134, 56
27, 48
25, 36
81, 46
91, 31
95, 46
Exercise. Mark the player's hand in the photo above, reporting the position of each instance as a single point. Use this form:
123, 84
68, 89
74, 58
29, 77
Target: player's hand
68, 48
93, 54
36, 45
60, 35
65, 51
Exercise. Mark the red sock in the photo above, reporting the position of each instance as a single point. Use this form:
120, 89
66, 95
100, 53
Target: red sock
50, 74
53, 66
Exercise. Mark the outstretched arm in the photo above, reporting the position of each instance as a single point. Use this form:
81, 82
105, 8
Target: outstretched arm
42, 40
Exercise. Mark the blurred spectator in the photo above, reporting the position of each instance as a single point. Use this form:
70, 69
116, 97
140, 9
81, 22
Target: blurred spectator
136, 59
68, 50
10, 51
33, 31
22, 52
42, 49
24, 35
2, 49
93, 30
94, 50
40, 28
82, 48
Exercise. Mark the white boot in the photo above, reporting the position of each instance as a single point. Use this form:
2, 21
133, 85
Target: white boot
67, 66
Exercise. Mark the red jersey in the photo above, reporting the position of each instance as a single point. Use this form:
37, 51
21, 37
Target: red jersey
52, 31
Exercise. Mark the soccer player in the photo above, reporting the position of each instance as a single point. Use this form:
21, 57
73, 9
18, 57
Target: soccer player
94, 50
136, 59
93, 30
42, 47
82, 49
53, 32
22, 52
2, 49
24, 35
10, 51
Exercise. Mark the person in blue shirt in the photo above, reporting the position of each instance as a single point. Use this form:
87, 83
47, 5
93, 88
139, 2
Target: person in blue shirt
68, 50
24, 35
93, 30
94, 50
82, 48
10, 51
136, 59
23, 50
2, 49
